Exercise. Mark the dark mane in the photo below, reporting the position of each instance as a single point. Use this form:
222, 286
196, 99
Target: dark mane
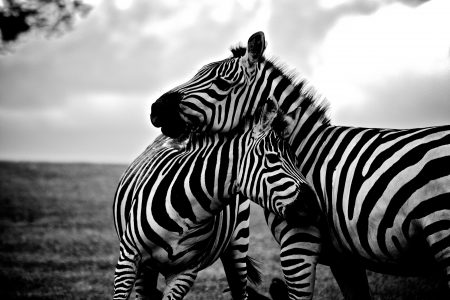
238, 51
301, 86
302, 89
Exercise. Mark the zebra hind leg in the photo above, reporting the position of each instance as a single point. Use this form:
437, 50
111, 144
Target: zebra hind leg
146, 283
437, 235
126, 271
179, 285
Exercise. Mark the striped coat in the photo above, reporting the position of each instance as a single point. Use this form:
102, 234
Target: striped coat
382, 193
174, 218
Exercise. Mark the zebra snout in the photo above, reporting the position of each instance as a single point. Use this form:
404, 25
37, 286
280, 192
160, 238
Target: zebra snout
157, 112
165, 108
165, 114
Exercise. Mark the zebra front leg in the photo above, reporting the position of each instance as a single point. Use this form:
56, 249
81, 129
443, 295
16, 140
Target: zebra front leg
238, 268
236, 263
126, 271
145, 285
299, 252
236, 273
351, 278
179, 285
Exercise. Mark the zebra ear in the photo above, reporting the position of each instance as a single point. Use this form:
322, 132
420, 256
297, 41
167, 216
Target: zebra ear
289, 120
269, 112
265, 115
255, 47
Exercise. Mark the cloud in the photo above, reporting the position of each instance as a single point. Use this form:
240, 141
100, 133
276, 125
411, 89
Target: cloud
298, 28
413, 2
132, 51
97, 127
86, 95
375, 62
100, 55
303, 25
410, 100
59, 97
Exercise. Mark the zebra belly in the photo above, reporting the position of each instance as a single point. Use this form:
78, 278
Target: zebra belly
397, 221
417, 260
196, 249
404, 248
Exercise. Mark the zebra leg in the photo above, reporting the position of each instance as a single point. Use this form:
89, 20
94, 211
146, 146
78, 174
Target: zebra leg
234, 262
126, 271
234, 271
437, 235
299, 252
179, 285
234, 258
145, 285
351, 278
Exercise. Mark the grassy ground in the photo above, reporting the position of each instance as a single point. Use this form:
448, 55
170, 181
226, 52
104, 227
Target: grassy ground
57, 240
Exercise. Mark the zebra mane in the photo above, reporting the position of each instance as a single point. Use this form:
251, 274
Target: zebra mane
238, 50
311, 98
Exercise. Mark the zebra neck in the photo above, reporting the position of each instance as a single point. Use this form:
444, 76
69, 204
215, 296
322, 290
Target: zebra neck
218, 158
308, 123
306, 140
319, 151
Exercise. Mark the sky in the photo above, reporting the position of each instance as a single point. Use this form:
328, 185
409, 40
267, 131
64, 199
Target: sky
85, 96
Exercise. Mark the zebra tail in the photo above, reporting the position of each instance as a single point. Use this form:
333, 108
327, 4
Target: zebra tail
254, 274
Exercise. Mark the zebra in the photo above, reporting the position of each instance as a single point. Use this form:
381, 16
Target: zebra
383, 194
176, 197
229, 231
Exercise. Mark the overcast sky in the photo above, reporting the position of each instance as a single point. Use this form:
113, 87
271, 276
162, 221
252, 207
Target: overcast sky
86, 96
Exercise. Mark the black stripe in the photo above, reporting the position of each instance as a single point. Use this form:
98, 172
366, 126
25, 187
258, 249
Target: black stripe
374, 194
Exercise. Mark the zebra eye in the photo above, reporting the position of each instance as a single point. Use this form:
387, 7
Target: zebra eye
222, 84
272, 157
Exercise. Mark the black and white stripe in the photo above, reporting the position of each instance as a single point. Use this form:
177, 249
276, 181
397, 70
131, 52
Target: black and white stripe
174, 218
383, 193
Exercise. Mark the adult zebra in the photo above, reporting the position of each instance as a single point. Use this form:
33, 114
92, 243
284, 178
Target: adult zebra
383, 193
171, 226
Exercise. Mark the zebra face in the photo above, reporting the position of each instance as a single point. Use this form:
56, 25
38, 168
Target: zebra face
282, 188
268, 174
203, 103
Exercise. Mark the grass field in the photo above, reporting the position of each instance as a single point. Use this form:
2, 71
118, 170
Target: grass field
57, 240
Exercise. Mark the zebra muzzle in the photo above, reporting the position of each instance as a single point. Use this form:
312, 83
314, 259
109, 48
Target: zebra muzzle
165, 114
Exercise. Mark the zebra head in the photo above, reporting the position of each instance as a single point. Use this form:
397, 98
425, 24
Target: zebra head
203, 103
268, 174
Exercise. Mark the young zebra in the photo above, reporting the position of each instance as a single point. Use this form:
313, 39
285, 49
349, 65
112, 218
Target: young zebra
177, 193
228, 231
383, 193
